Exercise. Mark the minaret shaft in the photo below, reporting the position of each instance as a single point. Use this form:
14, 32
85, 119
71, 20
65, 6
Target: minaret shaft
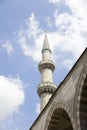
45, 76
44, 100
46, 88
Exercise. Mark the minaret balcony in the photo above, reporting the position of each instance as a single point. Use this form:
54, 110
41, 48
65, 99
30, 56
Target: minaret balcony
46, 64
47, 87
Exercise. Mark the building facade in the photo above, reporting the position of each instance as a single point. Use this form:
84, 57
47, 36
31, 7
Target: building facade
64, 107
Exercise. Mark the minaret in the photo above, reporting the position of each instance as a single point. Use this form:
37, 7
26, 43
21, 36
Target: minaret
46, 67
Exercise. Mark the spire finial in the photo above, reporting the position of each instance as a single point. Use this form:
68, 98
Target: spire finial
46, 43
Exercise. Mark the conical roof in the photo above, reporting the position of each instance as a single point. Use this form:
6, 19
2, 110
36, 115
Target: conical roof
46, 43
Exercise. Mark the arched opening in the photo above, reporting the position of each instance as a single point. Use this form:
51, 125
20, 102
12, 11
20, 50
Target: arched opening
83, 106
60, 121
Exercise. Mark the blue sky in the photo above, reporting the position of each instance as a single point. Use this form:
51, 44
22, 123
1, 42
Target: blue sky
22, 26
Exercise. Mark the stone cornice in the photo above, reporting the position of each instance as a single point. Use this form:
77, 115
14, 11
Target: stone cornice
47, 87
46, 64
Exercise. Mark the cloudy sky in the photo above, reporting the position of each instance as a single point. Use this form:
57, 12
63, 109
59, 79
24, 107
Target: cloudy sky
22, 26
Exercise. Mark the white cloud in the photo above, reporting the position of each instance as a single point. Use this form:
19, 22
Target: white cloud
30, 38
11, 95
78, 7
67, 42
33, 29
8, 47
71, 30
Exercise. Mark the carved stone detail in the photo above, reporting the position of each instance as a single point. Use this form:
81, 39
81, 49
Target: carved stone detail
46, 64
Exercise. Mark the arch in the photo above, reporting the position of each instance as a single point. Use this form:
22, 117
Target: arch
59, 117
81, 101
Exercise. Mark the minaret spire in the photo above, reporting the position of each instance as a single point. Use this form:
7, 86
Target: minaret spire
46, 67
46, 43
